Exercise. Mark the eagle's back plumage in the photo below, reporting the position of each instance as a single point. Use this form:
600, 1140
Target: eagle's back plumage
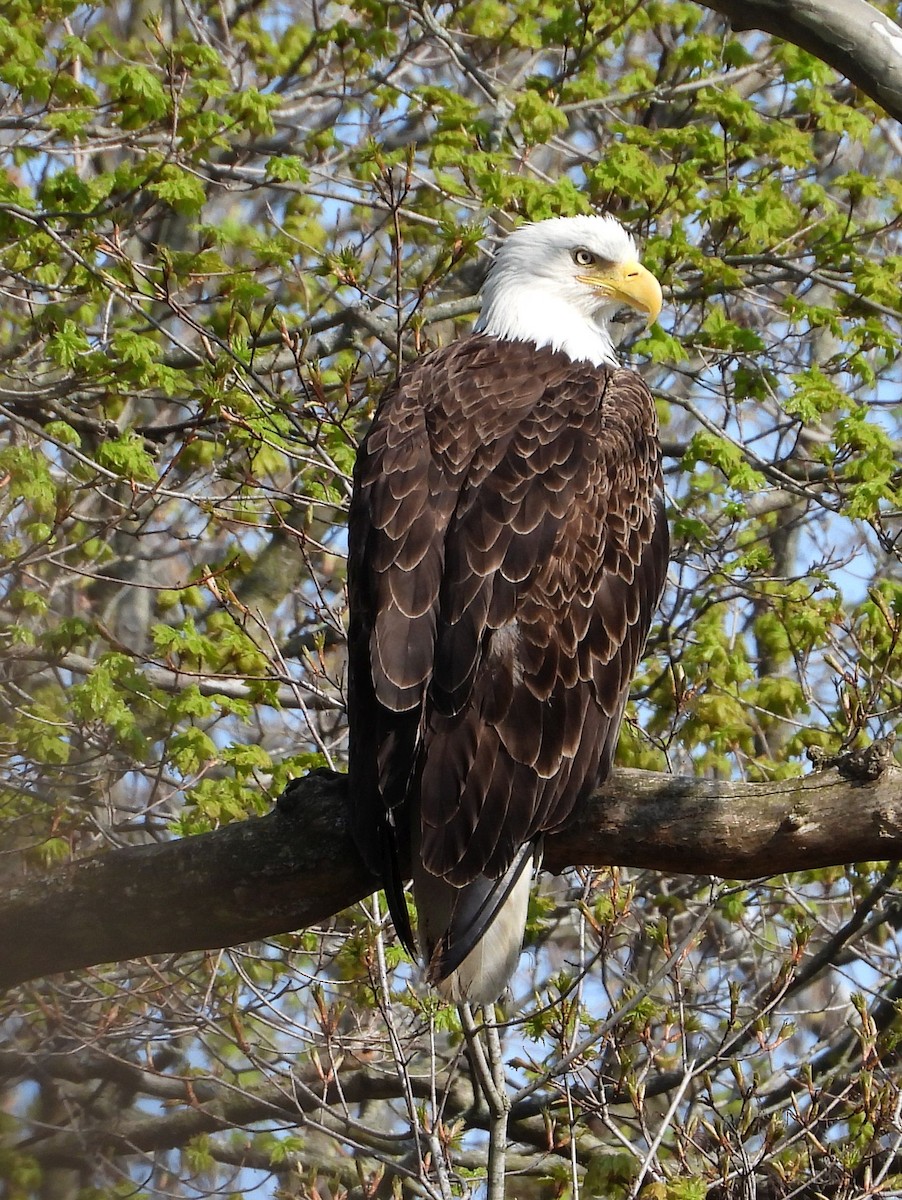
507, 551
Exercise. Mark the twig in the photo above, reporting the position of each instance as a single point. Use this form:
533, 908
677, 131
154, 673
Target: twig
488, 1067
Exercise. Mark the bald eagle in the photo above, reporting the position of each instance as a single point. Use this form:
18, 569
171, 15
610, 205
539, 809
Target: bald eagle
507, 549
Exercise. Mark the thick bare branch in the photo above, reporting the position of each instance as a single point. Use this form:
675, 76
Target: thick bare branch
854, 37
298, 865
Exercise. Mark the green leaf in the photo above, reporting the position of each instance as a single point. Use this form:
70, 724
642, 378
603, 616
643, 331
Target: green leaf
126, 456
137, 93
181, 189
190, 749
287, 168
253, 111
68, 345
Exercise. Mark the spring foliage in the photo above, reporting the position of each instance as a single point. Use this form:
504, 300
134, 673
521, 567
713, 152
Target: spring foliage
222, 229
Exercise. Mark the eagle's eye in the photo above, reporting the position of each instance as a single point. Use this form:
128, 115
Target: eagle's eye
584, 258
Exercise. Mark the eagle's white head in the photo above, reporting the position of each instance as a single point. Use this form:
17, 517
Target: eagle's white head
559, 283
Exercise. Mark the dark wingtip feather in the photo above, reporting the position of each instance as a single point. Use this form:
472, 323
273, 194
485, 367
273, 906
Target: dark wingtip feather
393, 882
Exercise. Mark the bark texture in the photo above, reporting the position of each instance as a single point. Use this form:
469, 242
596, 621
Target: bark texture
854, 37
298, 865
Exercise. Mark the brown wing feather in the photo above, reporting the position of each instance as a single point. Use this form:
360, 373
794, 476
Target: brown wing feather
507, 550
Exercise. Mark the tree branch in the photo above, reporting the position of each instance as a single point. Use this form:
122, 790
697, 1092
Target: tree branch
297, 865
854, 37
291, 694
211, 1107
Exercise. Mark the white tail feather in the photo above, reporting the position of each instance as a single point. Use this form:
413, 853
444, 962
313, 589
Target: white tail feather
484, 973
486, 915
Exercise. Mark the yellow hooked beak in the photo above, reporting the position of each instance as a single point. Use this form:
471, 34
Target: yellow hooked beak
630, 283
